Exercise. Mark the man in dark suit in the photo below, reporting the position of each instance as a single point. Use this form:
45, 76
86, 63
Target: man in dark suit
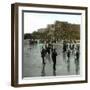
54, 54
43, 52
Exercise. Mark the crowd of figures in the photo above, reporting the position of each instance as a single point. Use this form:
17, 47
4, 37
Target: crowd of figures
50, 51
72, 48
68, 49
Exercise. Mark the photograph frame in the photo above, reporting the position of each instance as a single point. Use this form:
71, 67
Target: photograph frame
15, 42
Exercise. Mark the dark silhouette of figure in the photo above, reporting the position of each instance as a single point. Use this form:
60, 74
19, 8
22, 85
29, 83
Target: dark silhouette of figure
77, 61
70, 46
73, 46
68, 54
77, 55
43, 70
77, 67
48, 49
68, 64
54, 54
43, 52
64, 46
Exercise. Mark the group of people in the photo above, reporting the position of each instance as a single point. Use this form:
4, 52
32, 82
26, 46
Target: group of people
51, 53
71, 48
68, 49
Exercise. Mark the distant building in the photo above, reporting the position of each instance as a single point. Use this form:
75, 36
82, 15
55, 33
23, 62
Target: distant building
58, 30
41, 30
60, 25
51, 27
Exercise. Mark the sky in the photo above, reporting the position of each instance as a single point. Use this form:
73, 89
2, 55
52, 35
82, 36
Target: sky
35, 21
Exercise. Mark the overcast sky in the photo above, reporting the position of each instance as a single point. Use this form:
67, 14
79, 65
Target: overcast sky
35, 21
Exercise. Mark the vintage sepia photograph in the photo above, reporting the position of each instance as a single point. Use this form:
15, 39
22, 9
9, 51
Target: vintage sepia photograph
49, 44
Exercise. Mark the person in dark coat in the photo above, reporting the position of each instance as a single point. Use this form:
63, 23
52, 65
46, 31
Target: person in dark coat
68, 54
77, 61
54, 54
77, 56
64, 46
48, 49
43, 52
